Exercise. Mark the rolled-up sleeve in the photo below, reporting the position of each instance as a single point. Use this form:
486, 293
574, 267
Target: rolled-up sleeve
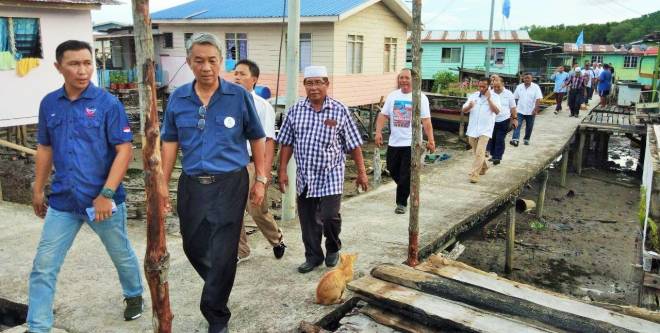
43, 138
118, 130
168, 131
286, 136
350, 135
252, 124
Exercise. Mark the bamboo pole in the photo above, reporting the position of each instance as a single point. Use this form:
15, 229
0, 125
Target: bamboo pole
20, 148
157, 259
417, 148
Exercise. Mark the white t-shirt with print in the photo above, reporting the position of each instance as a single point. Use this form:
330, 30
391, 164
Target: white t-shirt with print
507, 102
398, 108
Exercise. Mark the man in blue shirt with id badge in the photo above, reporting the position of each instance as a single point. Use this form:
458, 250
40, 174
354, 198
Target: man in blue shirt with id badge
83, 131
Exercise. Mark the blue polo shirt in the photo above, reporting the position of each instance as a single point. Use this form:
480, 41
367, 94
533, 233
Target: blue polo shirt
559, 78
219, 147
605, 80
83, 135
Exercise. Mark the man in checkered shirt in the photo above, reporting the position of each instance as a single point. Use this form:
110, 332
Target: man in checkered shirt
319, 131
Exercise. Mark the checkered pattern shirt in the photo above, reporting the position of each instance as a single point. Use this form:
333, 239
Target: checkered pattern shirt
576, 82
320, 141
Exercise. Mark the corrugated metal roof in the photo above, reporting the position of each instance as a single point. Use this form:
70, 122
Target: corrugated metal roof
475, 36
233, 9
599, 48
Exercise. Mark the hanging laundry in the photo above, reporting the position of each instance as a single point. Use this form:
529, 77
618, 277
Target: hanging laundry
7, 61
25, 65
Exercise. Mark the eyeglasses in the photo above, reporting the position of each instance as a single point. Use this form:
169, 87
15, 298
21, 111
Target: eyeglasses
201, 123
313, 83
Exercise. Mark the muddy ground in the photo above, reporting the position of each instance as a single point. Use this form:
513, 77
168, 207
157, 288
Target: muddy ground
586, 244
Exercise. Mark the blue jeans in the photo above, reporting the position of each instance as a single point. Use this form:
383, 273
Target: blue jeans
529, 125
496, 144
59, 231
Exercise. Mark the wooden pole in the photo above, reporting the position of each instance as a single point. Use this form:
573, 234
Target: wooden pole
578, 162
510, 236
564, 167
416, 156
157, 259
541, 202
20, 148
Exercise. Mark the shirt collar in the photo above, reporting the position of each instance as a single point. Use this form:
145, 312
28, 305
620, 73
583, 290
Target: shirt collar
90, 92
326, 104
224, 89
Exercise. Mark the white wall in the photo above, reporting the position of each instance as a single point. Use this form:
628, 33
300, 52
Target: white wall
21, 96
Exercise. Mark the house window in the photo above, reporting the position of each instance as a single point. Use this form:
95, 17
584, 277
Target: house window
597, 58
186, 38
409, 55
305, 50
236, 44
116, 53
451, 55
630, 61
354, 54
497, 55
389, 55
168, 40
26, 40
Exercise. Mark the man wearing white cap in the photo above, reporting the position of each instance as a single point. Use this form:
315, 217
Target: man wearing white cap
319, 131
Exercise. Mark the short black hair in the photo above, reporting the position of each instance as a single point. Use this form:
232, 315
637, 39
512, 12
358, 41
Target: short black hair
485, 79
252, 66
528, 73
606, 66
71, 45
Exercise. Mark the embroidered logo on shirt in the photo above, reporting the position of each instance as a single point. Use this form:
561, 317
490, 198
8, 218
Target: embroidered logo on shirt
230, 122
126, 129
89, 112
330, 122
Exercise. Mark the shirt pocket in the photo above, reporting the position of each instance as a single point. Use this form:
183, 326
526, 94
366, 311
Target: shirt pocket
53, 125
187, 131
328, 137
89, 128
229, 127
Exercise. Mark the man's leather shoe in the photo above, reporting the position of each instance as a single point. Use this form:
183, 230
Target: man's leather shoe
307, 267
331, 259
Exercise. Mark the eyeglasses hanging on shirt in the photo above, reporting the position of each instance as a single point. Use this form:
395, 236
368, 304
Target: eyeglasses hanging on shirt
201, 123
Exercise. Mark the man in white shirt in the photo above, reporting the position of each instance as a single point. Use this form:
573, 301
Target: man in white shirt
589, 75
397, 110
528, 95
507, 118
483, 107
246, 73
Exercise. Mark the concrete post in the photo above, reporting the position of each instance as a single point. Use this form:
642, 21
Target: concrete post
292, 64
510, 236
541, 201
564, 167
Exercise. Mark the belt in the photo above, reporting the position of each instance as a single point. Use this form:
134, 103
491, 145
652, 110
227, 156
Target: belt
205, 179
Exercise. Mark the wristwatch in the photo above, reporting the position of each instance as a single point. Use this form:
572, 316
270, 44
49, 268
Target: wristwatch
262, 179
107, 193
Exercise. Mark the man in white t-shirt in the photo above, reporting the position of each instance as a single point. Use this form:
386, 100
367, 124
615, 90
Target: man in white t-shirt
246, 73
589, 76
398, 111
507, 118
528, 95
483, 107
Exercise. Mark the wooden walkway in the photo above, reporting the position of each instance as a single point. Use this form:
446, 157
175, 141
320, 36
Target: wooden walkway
269, 295
612, 118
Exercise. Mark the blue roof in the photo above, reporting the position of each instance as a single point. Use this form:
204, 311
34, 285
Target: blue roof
233, 9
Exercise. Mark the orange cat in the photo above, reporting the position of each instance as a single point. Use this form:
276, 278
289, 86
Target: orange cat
332, 285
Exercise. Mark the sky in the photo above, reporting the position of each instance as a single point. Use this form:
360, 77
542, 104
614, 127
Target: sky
471, 14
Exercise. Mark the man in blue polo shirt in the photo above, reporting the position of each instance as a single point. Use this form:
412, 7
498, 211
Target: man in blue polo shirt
84, 132
210, 119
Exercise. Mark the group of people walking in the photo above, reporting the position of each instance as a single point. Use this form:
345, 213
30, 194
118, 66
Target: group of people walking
579, 85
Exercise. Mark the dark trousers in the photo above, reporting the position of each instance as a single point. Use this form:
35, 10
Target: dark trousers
575, 100
590, 93
210, 220
319, 217
496, 144
398, 163
559, 98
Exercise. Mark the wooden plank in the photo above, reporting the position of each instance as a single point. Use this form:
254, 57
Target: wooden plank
462, 283
437, 310
651, 280
395, 321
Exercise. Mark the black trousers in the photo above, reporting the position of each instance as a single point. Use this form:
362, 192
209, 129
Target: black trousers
319, 217
398, 163
497, 144
210, 220
575, 100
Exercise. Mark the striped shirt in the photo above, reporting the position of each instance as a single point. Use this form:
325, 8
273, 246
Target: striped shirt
320, 141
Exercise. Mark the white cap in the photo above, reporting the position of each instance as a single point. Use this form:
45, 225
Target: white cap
315, 71
577, 69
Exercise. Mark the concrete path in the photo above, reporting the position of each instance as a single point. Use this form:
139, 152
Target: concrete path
269, 295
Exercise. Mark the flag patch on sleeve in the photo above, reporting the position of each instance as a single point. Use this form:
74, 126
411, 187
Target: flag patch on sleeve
126, 129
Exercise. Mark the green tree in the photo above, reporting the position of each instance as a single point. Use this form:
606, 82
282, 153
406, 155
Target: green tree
442, 79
